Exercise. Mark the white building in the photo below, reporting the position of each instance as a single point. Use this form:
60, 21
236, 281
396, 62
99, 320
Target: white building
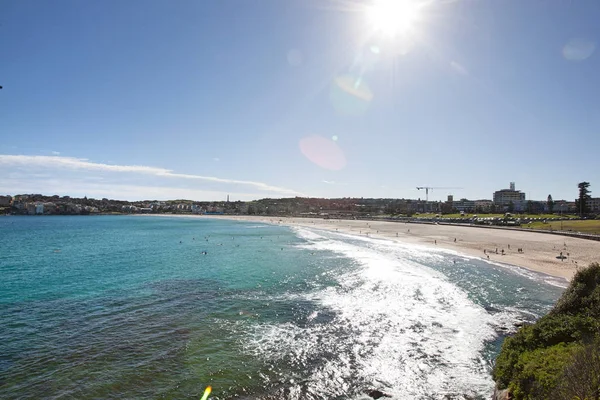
506, 196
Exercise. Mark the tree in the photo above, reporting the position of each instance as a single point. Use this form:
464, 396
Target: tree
581, 378
511, 207
550, 204
584, 196
529, 207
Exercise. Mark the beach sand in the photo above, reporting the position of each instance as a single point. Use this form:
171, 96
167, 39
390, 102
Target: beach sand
540, 250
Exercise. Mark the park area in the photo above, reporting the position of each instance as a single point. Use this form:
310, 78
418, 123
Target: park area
548, 222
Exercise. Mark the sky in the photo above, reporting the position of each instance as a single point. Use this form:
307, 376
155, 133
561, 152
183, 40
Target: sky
145, 99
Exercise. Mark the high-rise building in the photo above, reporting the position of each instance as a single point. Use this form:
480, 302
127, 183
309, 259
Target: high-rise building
504, 197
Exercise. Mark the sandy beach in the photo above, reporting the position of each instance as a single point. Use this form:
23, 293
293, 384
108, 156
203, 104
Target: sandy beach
540, 252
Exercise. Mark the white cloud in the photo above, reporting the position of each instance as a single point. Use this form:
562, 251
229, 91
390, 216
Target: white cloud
117, 191
80, 164
333, 182
56, 153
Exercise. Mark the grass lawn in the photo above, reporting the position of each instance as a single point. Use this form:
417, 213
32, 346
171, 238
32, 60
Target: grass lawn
496, 215
585, 226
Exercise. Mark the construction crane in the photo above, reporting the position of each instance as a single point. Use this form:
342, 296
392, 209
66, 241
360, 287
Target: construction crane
428, 188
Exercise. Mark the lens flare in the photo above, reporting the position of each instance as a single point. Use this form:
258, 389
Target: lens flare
324, 152
578, 49
350, 95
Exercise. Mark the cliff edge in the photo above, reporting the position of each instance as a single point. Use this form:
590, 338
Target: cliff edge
558, 357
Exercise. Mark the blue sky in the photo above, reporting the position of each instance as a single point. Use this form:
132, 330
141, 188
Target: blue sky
270, 98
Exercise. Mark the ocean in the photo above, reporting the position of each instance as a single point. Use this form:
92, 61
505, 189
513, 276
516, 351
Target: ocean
130, 307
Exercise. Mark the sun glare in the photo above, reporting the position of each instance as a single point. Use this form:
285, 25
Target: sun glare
393, 17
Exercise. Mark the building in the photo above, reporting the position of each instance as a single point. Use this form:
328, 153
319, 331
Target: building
564, 207
505, 197
483, 205
593, 204
35, 208
464, 205
49, 208
5, 201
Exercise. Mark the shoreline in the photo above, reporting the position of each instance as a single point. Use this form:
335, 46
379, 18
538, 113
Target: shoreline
540, 252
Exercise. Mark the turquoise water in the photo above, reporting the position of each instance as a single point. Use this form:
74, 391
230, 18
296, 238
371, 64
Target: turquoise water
130, 307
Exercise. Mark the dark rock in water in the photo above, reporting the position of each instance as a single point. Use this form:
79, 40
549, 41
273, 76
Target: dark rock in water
376, 394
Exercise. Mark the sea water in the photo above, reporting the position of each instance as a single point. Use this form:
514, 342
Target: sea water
161, 307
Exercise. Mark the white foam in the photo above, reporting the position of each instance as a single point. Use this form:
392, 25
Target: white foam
395, 321
428, 253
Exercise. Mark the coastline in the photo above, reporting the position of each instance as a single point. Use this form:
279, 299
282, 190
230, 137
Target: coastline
541, 252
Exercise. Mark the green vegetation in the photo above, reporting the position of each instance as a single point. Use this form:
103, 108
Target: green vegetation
584, 197
584, 226
558, 357
492, 215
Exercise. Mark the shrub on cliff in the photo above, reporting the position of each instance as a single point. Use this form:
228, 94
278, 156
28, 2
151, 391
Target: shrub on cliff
539, 360
581, 378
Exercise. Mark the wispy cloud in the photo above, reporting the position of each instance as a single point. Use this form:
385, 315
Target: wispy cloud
56, 153
332, 182
81, 164
97, 189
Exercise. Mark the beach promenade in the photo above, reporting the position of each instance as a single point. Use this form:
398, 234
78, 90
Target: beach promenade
541, 252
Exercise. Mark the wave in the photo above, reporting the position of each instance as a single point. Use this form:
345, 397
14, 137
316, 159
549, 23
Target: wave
389, 323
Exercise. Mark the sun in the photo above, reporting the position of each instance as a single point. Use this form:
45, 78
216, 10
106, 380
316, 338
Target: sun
393, 17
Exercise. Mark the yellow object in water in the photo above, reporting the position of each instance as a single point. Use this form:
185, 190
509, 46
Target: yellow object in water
206, 393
